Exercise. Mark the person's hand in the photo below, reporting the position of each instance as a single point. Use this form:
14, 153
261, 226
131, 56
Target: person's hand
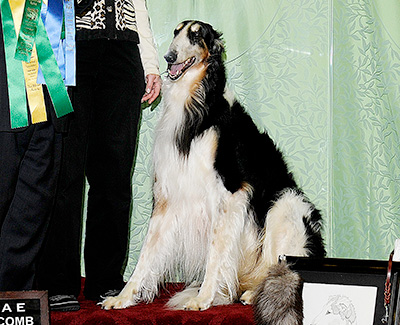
153, 87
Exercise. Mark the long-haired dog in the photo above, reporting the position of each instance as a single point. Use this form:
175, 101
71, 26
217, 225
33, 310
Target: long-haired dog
225, 205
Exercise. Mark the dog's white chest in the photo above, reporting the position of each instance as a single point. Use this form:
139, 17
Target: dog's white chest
193, 191
188, 176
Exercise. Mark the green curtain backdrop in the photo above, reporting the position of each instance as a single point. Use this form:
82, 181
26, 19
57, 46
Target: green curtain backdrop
366, 128
323, 77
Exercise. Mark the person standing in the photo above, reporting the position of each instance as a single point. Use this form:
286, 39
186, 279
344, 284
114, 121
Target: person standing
117, 63
30, 153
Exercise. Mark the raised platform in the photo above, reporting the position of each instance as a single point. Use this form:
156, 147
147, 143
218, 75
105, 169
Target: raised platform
154, 313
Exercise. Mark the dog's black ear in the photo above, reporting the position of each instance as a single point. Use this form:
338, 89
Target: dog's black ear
214, 41
218, 44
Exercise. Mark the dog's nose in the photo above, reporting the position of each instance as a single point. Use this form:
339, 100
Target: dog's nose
170, 57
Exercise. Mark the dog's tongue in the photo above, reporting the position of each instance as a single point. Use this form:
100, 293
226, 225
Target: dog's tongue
175, 68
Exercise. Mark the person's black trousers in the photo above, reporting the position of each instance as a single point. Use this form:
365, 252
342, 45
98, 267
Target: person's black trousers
29, 164
100, 144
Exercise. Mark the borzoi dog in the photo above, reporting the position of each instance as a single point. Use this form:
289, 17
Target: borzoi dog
225, 205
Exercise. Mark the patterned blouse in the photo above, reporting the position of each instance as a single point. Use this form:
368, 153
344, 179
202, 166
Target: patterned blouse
122, 20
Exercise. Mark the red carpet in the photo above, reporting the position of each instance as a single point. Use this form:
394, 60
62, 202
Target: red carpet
154, 313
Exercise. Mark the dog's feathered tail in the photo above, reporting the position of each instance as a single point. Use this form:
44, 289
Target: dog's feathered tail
278, 299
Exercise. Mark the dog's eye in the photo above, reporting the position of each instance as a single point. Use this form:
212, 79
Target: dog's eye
196, 35
195, 31
178, 28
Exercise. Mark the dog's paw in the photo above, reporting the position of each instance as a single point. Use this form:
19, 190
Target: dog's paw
247, 297
118, 302
197, 303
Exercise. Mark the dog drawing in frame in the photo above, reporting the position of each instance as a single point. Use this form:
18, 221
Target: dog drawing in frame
225, 205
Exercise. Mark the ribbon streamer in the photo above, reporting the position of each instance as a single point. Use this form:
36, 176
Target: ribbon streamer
59, 20
36, 31
37, 106
51, 73
15, 80
34, 91
69, 43
28, 29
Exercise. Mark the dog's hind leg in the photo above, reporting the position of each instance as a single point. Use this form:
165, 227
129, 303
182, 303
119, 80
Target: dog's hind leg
284, 234
285, 231
151, 267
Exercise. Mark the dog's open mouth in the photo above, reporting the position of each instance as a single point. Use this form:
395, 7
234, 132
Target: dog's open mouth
176, 70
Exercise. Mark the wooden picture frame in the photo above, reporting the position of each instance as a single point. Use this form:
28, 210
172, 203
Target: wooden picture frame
24, 307
350, 285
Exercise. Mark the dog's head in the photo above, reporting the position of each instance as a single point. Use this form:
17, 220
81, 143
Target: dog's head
193, 44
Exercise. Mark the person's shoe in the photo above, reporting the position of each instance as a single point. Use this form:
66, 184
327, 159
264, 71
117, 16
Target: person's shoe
102, 296
110, 293
63, 303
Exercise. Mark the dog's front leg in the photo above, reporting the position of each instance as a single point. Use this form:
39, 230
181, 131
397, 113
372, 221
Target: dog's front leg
220, 283
143, 284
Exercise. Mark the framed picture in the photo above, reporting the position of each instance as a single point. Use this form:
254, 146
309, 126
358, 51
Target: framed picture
348, 291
